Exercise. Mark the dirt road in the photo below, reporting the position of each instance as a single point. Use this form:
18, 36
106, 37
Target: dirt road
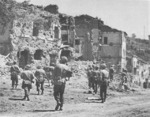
133, 104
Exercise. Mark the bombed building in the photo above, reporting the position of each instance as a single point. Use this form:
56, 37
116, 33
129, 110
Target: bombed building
30, 35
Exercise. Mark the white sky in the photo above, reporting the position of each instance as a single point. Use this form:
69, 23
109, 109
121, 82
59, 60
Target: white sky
132, 16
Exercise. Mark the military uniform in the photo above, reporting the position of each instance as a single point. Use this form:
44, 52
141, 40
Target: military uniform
59, 80
111, 73
89, 74
14, 75
49, 72
95, 80
40, 78
104, 84
27, 77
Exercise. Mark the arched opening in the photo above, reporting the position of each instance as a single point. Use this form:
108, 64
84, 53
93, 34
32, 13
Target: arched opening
23, 58
38, 54
66, 52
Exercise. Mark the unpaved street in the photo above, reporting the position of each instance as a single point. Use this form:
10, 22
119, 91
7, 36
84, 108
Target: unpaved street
133, 104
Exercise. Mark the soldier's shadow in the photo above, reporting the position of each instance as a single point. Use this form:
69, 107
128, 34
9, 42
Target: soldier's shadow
16, 99
43, 111
93, 101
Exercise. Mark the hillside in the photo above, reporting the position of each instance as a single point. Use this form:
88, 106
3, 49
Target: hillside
139, 47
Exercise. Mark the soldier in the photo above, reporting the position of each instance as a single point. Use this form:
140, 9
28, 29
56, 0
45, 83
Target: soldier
27, 77
14, 75
89, 74
111, 72
49, 72
95, 78
40, 78
92, 77
59, 80
104, 82
124, 79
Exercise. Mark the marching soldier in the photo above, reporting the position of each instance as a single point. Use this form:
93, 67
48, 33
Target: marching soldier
27, 77
59, 80
49, 73
40, 78
14, 75
96, 75
111, 72
104, 82
89, 74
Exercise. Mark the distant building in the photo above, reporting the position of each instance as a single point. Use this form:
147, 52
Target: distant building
138, 67
87, 32
113, 48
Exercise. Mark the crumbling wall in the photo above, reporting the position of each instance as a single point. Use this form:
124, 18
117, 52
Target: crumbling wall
5, 48
123, 51
95, 35
67, 28
87, 48
34, 30
110, 54
5, 44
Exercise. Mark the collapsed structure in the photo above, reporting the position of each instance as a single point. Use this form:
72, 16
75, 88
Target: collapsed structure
100, 42
31, 35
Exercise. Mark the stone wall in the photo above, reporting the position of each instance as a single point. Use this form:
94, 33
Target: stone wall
5, 41
35, 31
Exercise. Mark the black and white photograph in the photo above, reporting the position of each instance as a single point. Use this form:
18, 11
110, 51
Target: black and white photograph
74, 58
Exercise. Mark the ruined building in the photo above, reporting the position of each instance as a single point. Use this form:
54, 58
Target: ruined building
67, 29
113, 48
5, 26
88, 33
32, 34
100, 42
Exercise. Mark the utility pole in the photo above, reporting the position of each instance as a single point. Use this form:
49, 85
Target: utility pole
144, 33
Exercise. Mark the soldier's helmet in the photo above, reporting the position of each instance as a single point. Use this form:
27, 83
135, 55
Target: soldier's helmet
39, 67
103, 66
27, 67
54, 53
63, 59
96, 67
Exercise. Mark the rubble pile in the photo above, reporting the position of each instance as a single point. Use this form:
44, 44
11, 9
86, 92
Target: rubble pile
79, 79
79, 67
4, 68
118, 84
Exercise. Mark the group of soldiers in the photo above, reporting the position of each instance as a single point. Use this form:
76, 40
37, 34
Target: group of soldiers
59, 75
99, 76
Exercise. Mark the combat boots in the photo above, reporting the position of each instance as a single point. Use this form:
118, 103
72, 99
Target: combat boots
57, 106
